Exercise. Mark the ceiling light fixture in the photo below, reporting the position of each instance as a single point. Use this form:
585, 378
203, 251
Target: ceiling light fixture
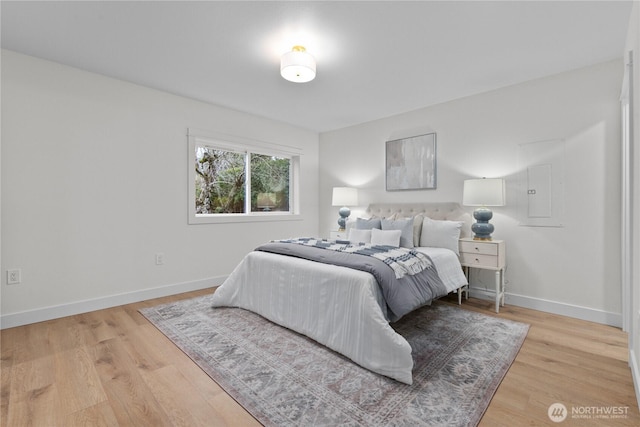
298, 66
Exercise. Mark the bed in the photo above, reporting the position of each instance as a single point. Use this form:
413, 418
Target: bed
340, 307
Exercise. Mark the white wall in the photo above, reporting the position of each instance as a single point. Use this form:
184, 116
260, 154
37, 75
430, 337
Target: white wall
574, 270
94, 184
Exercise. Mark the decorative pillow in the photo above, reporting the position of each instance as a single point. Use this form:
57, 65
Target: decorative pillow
417, 229
359, 236
351, 223
406, 228
368, 224
385, 237
440, 234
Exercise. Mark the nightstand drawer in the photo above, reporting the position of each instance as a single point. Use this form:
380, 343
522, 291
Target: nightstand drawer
478, 248
478, 260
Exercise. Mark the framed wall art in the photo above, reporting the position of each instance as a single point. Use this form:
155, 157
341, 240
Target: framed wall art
411, 163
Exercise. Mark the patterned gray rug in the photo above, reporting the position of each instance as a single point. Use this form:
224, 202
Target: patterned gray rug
285, 379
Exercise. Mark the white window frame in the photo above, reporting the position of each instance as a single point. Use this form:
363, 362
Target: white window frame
243, 145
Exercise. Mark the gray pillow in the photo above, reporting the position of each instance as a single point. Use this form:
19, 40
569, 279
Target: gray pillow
368, 224
406, 228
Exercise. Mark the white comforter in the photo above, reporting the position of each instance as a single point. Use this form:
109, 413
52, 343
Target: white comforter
339, 307
448, 266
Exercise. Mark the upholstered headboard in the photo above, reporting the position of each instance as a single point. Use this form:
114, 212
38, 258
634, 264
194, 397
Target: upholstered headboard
450, 211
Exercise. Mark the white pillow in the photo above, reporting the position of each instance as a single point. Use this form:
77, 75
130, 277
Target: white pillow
406, 229
351, 223
360, 236
385, 237
440, 234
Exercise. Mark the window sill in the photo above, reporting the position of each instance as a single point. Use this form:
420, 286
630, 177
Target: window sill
243, 218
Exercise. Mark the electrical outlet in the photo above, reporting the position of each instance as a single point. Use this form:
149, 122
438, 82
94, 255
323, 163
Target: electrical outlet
13, 276
159, 259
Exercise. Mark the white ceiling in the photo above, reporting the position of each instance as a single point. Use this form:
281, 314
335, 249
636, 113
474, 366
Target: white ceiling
374, 59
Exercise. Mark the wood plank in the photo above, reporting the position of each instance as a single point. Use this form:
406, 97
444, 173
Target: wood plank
5, 387
146, 348
131, 400
36, 407
96, 329
175, 394
77, 380
100, 415
33, 374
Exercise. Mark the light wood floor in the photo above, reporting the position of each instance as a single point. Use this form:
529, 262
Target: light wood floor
112, 367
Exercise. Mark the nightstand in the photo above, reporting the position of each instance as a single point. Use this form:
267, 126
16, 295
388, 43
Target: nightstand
487, 255
338, 235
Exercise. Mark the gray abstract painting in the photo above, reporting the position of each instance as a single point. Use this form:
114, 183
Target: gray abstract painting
411, 163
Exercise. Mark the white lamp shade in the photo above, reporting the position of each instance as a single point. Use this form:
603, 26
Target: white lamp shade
344, 196
483, 192
298, 66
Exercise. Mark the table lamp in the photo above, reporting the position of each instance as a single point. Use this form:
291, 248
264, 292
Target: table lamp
483, 192
344, 196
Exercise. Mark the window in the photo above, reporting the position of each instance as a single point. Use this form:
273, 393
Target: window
233, 180
269, 183
221, 182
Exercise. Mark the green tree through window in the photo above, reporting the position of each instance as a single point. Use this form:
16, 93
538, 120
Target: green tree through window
221, 181
269, 183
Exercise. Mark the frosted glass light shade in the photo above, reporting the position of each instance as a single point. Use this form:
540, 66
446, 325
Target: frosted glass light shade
483, 192
344, 196
298, 66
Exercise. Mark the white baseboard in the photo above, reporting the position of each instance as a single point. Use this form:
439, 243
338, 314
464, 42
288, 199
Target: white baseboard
563, 309
63, 310
54, 312
635, 373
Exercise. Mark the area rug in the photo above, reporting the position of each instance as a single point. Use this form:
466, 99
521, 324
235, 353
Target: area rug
286, 379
